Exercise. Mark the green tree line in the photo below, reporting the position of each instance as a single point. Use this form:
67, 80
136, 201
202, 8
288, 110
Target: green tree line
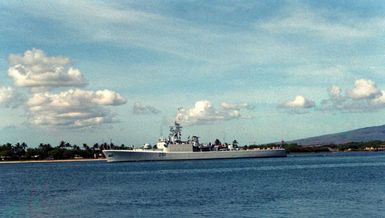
351, 146
64, 150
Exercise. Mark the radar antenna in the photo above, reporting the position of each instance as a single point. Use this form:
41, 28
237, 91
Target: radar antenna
175, 133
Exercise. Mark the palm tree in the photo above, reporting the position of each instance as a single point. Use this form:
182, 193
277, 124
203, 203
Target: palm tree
95, 147
62, 144
7, 150
75, 147
44, 149
68, 145
235, 143
24, 145
112, 145
217, 142
19, 150
85, 147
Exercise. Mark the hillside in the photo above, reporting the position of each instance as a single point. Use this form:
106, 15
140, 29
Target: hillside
357, 135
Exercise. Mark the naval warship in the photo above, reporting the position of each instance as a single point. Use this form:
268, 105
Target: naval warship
173, 148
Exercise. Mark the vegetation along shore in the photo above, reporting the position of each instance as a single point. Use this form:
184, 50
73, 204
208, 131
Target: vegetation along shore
47, 152
65, 151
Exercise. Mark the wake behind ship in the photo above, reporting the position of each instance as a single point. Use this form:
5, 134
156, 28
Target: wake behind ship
173, 148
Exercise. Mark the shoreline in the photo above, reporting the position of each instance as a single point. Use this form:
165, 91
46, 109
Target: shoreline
51, 161
104, 159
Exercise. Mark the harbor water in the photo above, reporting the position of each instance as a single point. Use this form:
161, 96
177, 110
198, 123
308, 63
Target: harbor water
304, 185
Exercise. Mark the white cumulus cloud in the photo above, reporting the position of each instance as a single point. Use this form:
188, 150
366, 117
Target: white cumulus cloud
335, 92
364, 96
35, 69
204, 112
300, 102
363, 89
299, 105
229, 106
73, 108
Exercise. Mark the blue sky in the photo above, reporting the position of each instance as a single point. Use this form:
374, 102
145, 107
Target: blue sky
255, 71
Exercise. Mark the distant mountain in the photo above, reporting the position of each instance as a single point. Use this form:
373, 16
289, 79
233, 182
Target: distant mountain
357, 135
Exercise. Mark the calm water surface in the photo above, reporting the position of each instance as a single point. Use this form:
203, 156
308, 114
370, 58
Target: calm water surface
321, 185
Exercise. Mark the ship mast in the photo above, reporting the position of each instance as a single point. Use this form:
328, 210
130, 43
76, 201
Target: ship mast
175, 133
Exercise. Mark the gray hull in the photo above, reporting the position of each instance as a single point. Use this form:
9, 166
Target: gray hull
132, 155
